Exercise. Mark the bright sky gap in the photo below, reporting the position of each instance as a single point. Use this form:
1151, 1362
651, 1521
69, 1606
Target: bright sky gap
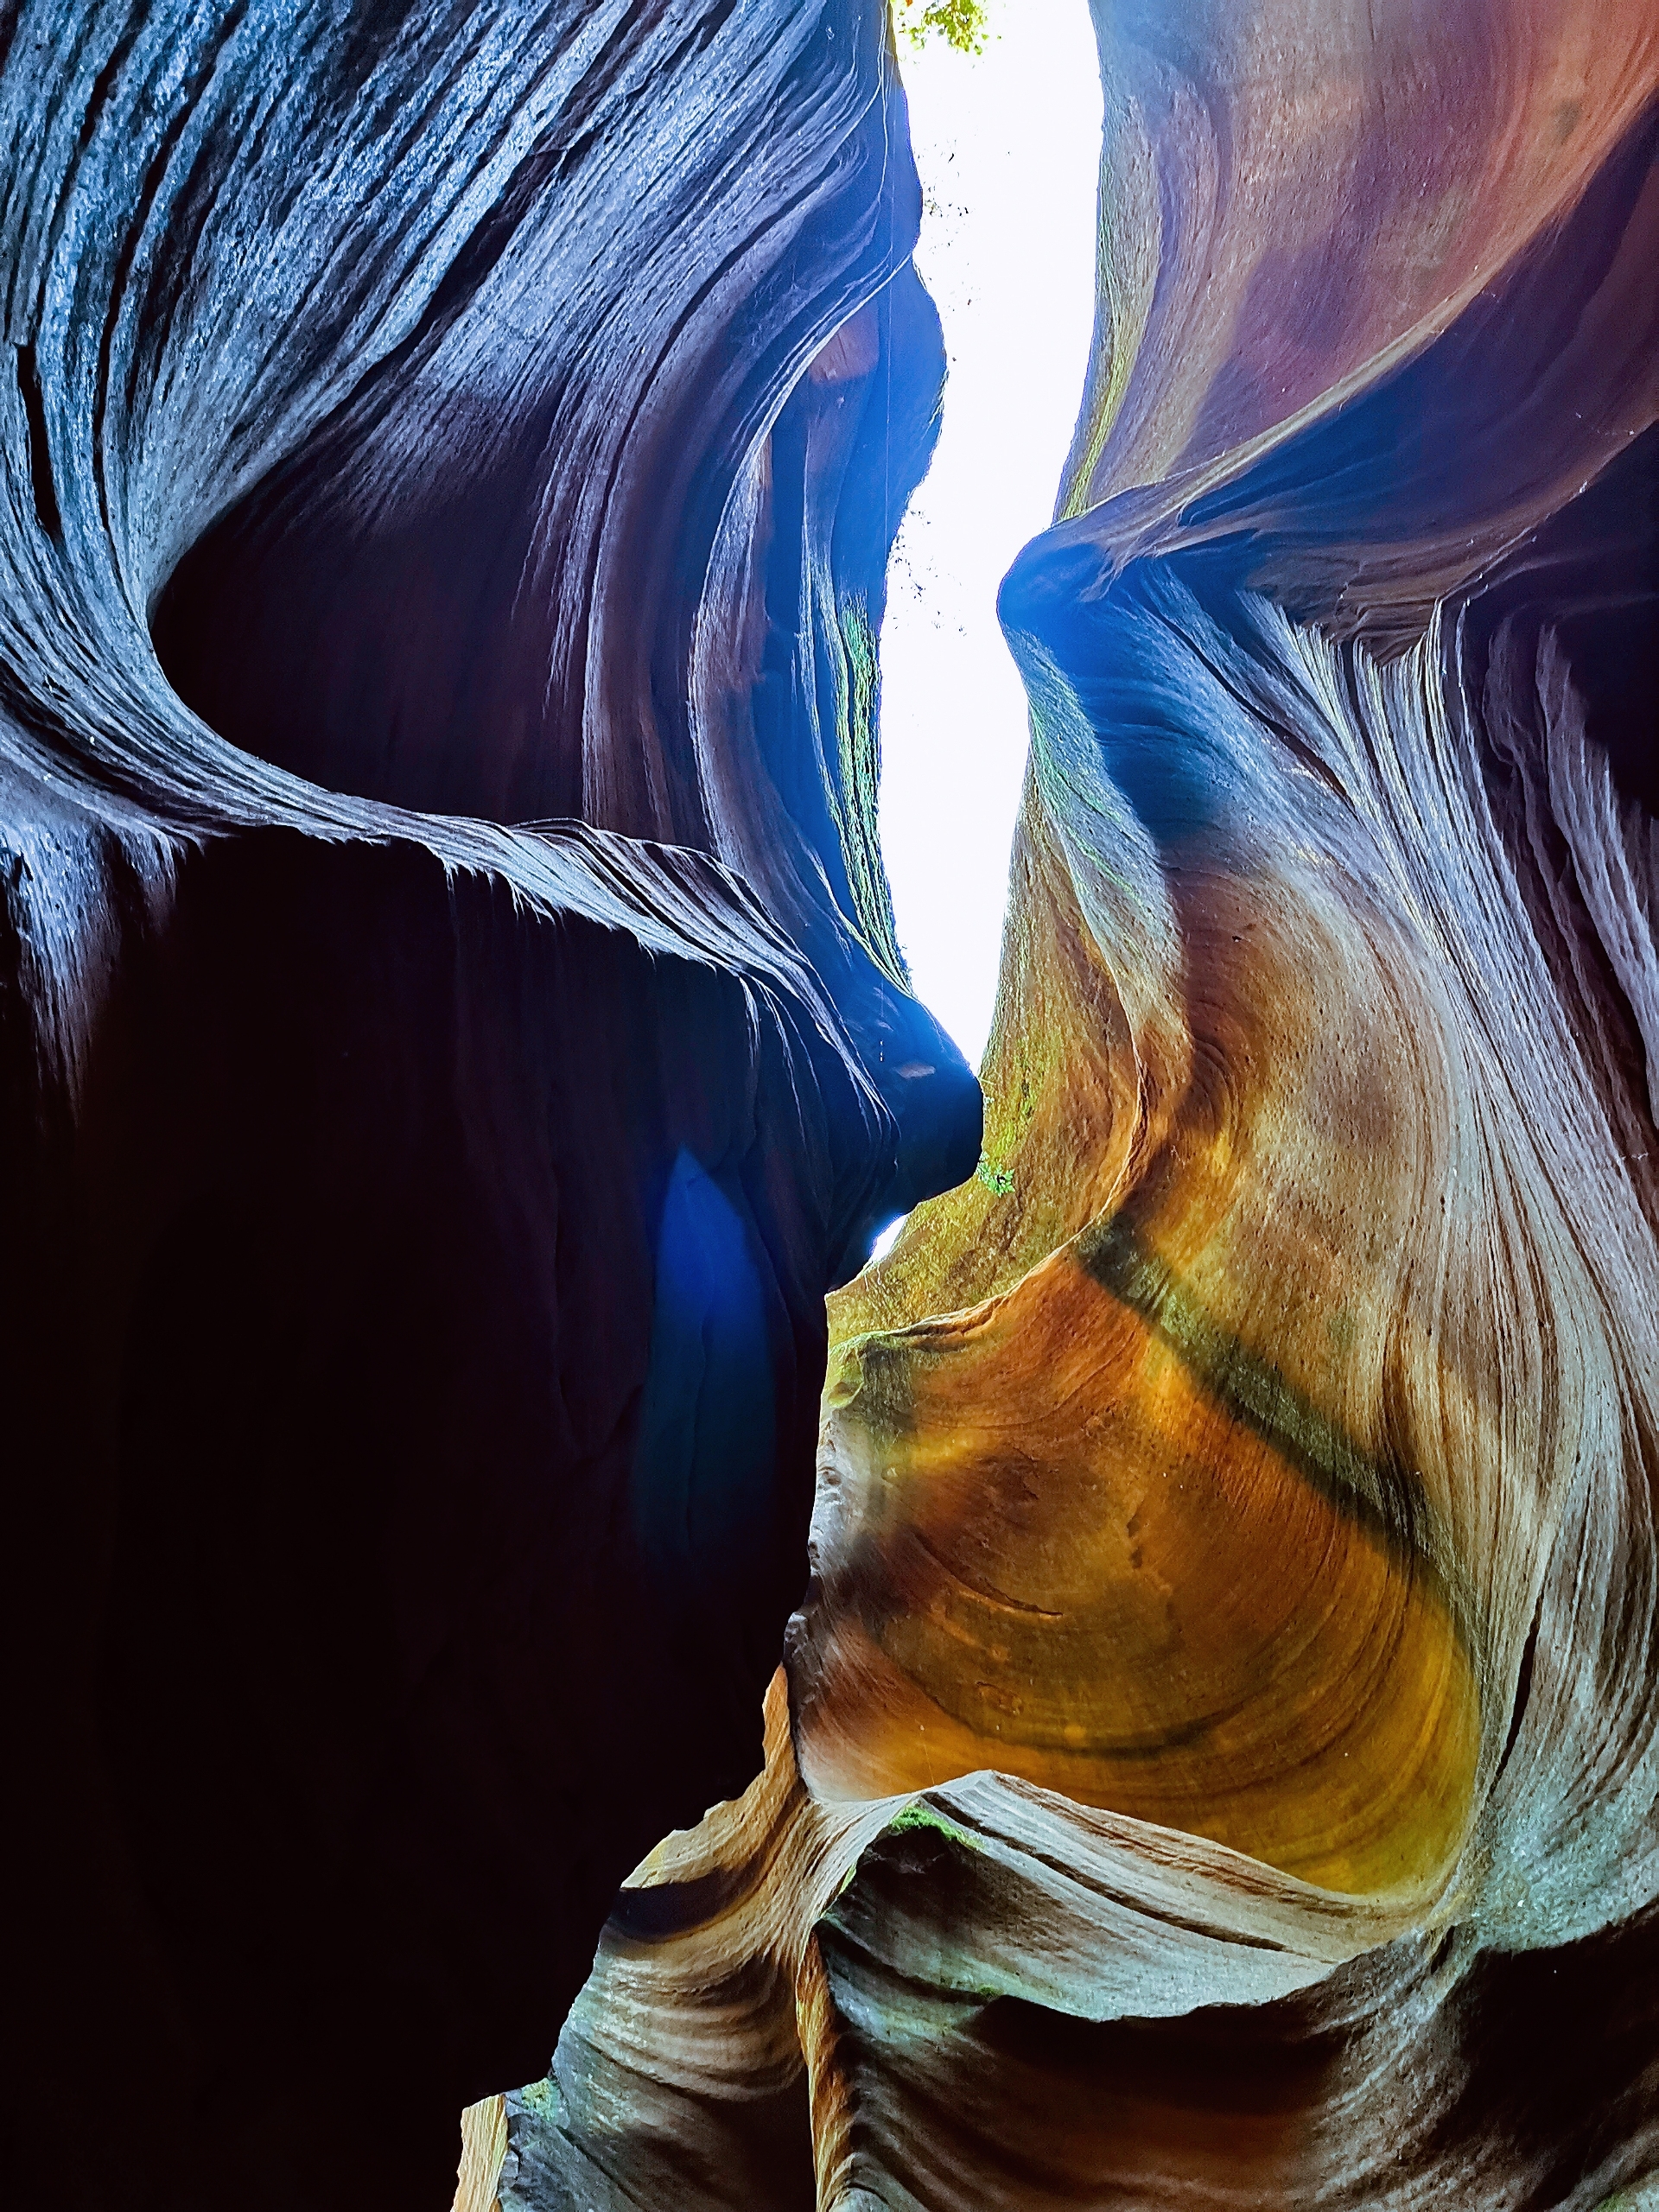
1008, 143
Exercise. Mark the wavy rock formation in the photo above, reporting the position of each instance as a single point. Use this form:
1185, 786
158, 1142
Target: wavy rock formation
1218, 1760
452, 1029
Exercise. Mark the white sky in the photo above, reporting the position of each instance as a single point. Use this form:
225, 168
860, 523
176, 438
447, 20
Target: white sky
1008, 146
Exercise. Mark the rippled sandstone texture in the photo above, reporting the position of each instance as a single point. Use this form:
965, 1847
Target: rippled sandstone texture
1216, 1761
451, 1033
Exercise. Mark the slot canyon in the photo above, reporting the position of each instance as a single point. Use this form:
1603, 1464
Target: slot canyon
531, 1645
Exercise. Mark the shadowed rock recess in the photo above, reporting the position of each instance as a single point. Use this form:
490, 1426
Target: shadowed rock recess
452, 1034
451, 1029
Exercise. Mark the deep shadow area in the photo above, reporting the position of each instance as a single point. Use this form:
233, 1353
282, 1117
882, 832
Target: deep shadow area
419, 1626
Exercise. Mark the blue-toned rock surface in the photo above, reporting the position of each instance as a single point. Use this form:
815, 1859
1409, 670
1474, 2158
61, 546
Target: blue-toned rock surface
452, 1029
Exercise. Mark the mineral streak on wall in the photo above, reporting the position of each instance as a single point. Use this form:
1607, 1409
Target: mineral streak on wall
1216, 1761
451, 1034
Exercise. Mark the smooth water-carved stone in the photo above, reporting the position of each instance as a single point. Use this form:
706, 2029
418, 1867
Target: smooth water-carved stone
420, 426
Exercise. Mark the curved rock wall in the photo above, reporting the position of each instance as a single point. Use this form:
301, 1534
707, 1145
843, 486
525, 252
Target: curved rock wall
452, 1029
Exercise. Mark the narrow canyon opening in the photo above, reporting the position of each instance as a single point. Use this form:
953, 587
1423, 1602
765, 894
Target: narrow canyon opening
1008, 143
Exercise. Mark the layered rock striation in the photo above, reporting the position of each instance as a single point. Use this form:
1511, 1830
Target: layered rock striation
453, 1032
